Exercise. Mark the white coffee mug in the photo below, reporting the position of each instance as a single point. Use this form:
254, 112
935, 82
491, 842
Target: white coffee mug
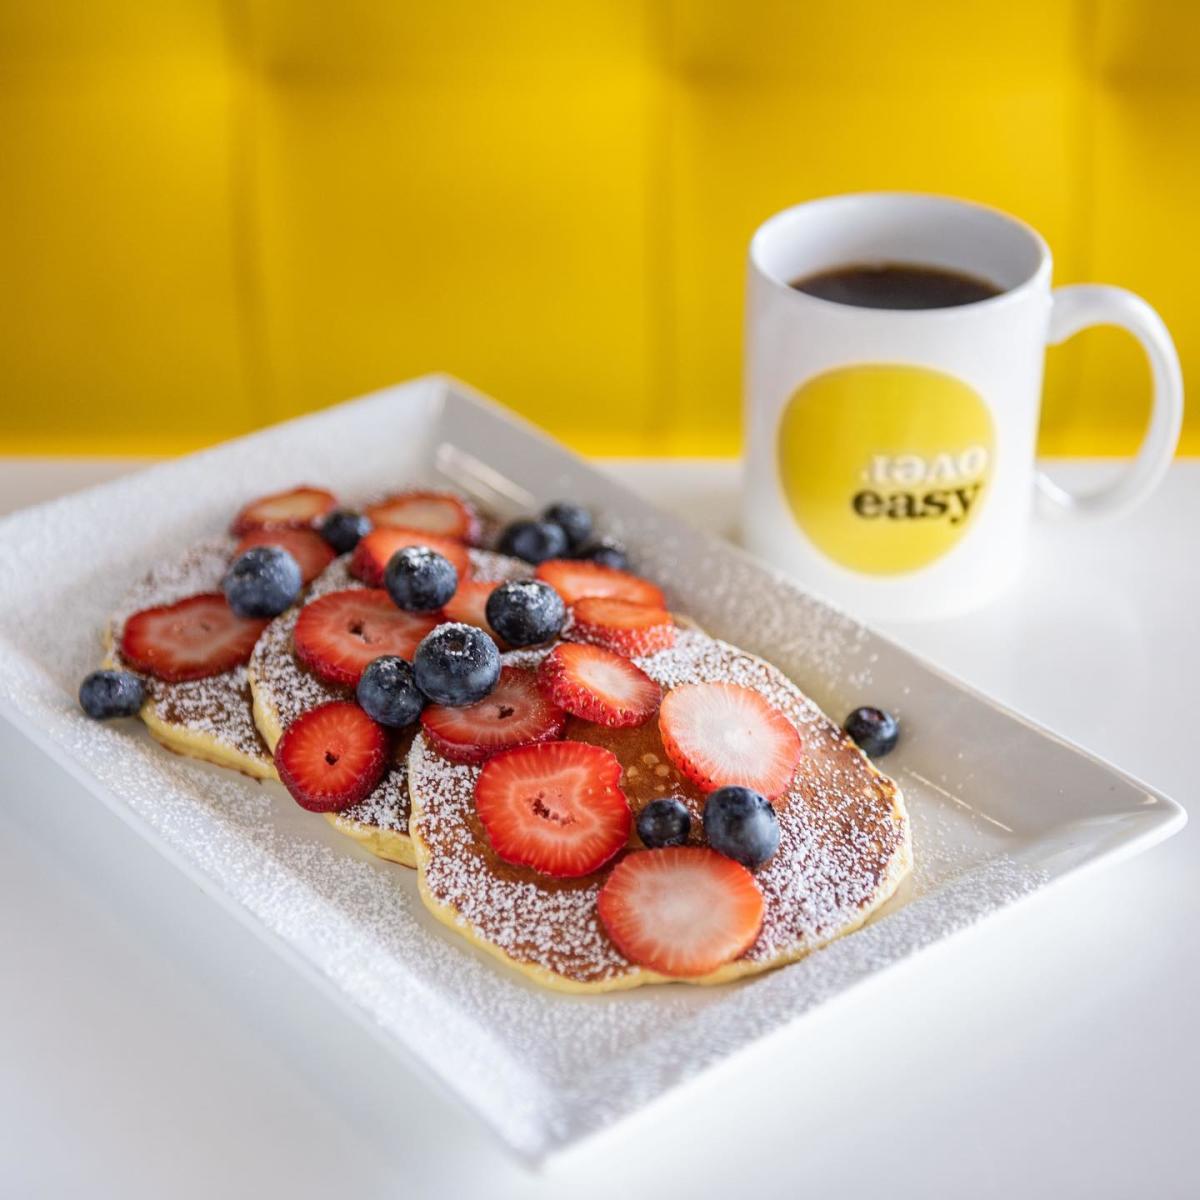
890, 454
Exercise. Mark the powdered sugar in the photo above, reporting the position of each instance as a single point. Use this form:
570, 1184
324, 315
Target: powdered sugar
387, 807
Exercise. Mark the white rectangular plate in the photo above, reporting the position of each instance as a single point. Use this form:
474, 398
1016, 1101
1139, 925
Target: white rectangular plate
1000, 808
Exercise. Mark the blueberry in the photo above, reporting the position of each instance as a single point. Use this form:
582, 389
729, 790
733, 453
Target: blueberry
105, 694
606, 551
741, 824
574, 521
525, 612
664, 822
344, 529
387, 692
456, 664
875, 731
419, 579
262, 582
534, 541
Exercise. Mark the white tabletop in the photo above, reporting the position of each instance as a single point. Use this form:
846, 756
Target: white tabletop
150, 1047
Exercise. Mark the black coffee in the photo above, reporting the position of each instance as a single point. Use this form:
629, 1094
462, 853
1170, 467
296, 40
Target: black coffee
896, 285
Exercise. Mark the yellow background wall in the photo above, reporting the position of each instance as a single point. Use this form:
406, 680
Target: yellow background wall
214, 215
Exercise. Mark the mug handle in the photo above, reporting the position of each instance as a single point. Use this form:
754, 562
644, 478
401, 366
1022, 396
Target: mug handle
1078, 306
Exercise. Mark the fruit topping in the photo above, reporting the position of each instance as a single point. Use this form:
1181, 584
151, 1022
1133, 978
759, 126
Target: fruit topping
574, 520
331, 757
312, 555
556, 807
105, 694
526, 612
573, 580
388, 693
337, 635
262, 582
295, 509
372, 555
431, 512
456, 665
534, 541
664, 822
875, 731
682, 911
190, 639
514, 713
598, 685
622, 626
419, 579
343, 529
605, 551
719, 734
469, 603
741, 824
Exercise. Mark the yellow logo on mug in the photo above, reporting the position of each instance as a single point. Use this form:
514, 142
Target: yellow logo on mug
885, 467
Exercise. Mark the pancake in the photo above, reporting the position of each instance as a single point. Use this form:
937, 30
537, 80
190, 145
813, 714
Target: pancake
283, 689
845, 842
209, 719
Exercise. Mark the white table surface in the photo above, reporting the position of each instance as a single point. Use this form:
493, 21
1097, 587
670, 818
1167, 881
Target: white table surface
150, 1047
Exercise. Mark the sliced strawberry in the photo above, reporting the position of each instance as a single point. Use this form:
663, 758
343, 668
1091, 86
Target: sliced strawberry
515, 713
682, 911
370, 557
720, 734
469, 603
310, 550
622, 626
294, 509
338, 634
598, 685
191, 639
431, 512
556, 807
574, 578
331, 757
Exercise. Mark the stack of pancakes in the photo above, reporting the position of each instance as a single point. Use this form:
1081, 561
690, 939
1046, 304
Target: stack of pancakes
845, 840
